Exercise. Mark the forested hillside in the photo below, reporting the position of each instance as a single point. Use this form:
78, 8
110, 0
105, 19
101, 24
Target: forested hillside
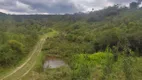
17, 40
99, 45
108, 49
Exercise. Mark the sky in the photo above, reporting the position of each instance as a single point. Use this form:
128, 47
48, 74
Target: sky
55, 6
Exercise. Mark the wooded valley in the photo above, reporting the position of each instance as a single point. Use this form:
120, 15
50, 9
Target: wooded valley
99, 45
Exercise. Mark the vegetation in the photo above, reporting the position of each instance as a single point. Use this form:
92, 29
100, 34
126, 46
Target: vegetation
100, 45
16, 42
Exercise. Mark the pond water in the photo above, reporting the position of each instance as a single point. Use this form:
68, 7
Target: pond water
53, 62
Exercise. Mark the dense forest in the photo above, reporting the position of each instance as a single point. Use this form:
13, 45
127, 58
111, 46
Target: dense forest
99, 45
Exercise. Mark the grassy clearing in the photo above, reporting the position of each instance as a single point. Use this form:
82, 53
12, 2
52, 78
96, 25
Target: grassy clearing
63, 73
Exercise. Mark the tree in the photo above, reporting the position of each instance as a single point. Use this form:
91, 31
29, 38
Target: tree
16, 46
139, 1
135, 5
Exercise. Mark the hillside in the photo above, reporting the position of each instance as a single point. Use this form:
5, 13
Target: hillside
99, 45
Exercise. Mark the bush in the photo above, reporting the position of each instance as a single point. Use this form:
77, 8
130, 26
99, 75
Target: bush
16, 46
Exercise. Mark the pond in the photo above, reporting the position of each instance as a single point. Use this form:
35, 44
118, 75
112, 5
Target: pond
53, 62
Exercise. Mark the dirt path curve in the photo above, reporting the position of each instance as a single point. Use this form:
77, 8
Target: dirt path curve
23, 69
